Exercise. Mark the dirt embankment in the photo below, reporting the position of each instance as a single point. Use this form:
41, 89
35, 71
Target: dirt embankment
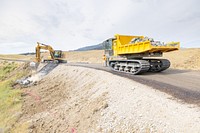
78, 99
63, 101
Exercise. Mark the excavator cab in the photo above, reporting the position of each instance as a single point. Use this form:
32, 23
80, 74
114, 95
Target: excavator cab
58, 54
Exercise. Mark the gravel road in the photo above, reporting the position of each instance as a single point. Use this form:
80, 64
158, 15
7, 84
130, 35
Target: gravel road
181, 84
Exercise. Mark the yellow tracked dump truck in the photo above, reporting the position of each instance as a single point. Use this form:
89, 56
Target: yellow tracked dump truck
131, 54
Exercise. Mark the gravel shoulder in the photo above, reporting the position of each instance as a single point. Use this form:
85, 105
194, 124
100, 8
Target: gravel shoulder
181, 84
81, 99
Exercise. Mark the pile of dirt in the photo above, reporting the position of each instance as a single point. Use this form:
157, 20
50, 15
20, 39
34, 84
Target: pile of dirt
75, 99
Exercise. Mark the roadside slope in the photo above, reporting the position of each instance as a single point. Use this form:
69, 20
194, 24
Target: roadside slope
86, 100
10, 93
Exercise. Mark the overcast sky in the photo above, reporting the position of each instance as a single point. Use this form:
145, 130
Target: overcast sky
70, 24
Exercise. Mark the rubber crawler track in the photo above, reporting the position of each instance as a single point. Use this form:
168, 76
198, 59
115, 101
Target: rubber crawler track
139, 66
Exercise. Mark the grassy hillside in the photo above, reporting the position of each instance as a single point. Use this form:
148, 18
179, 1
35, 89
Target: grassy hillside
10, 97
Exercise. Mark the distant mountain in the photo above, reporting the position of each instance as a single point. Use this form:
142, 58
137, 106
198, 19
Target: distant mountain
92, 47
29, 53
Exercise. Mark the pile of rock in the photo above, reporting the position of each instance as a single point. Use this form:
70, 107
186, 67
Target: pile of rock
154, 43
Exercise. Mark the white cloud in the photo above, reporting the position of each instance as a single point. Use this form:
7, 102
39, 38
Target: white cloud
17, 47
70, 24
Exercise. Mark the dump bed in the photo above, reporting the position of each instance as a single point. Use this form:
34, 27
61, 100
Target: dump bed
124, 44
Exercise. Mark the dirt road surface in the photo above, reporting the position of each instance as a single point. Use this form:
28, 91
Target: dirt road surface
182, 84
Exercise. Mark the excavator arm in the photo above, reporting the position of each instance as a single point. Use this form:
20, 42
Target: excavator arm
45, 47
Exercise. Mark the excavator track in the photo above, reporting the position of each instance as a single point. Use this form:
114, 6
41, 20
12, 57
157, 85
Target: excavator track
139, 66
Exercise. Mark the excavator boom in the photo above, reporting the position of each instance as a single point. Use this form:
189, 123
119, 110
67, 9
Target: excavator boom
45, 47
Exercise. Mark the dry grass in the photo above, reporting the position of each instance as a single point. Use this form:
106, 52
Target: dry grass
10, 99
93, 56
184, 58
16, 56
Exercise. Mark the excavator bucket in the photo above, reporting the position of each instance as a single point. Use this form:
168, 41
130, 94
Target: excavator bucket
34, 65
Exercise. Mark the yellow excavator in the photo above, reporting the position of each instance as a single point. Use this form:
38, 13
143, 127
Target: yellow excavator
131, 54
56, 56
